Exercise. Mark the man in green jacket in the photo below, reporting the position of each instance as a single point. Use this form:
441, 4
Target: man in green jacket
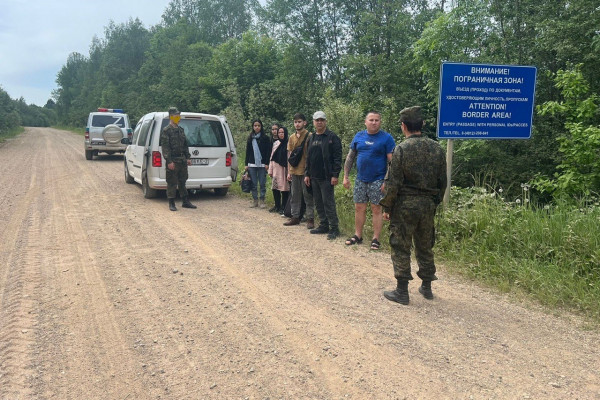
415, 186
177, 156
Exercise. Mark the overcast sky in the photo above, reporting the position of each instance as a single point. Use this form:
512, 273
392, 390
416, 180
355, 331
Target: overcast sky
37, 36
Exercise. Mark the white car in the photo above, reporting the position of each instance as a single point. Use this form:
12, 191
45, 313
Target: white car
104, 131
214, 157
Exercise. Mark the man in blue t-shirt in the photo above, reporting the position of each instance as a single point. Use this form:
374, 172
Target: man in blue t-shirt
372, 148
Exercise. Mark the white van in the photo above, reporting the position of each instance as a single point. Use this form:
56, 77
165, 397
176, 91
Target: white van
214, 157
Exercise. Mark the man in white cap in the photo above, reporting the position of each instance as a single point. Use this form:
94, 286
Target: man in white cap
323, 167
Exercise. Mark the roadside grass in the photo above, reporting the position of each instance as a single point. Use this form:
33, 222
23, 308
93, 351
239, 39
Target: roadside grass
550, 253
11, 133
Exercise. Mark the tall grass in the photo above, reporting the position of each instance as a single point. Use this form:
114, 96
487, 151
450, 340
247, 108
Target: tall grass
551, 252
10, 133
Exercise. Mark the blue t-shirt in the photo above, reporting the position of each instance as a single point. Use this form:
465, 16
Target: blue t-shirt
372, 150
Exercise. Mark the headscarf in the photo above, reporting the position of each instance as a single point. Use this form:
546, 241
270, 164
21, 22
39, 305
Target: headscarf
280, 154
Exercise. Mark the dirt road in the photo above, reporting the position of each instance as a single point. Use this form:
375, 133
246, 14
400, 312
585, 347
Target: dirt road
107, 295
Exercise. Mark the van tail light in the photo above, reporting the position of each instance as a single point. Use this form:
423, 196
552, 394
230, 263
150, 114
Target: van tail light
87, 133
156, 159
228, 159
129, 133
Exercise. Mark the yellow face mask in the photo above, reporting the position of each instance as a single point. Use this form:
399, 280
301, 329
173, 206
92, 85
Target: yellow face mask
175, 118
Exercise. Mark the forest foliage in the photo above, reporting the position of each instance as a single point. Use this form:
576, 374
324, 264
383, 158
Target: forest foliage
245, 60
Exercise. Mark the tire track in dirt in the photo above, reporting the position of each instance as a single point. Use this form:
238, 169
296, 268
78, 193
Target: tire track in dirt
293, 324
89, 336
164, 292
322, 336
22, 263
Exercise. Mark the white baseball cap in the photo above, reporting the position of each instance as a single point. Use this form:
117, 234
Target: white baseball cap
319, 115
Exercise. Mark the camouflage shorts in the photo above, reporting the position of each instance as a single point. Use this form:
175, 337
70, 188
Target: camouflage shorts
365, 192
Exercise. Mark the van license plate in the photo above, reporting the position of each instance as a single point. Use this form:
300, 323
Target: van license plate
199, 161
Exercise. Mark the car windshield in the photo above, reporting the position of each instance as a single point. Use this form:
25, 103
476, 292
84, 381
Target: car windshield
201, 132
100, 121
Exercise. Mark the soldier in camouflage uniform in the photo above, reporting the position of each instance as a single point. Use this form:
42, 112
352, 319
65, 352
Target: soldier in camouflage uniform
415, 185
177, 157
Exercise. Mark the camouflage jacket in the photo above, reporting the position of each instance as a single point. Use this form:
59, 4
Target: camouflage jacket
174, 144
418, 168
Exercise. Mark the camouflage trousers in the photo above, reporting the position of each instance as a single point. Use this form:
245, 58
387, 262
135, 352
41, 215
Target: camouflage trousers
412, 220
177, 178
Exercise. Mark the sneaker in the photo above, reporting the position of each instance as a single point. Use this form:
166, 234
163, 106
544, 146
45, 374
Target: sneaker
333, 233
320, 230
273, 209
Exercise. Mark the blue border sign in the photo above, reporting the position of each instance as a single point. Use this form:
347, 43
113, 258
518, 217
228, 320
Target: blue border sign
480, 101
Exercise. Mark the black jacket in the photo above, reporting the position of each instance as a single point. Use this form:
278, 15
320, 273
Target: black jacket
264, 145
332, 154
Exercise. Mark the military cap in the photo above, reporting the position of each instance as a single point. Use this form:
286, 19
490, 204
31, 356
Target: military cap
411, 114
173, 111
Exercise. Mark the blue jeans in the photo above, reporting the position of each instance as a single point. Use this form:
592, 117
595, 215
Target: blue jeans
258, 176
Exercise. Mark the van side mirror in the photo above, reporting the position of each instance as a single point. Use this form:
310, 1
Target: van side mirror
126, 140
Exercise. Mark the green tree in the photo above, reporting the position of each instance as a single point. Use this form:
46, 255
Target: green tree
320, 24
245, 62
378, 69
9, 115
70, 81
579, 143
216, 21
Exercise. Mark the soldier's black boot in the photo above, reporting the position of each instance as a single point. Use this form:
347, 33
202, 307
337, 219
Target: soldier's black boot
400, 295
425, 290
172, 205
186, 203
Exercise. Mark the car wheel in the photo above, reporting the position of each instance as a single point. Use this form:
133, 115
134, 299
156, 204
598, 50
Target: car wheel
128, 177
221, 191
149, 193
89, 155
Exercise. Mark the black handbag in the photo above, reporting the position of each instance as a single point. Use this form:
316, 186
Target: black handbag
296, 154
246, 183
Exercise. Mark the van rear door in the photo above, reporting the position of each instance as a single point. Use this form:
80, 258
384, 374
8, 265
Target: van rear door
208, 147
232, 150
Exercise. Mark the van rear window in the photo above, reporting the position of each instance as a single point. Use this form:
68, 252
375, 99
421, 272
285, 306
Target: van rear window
100, 121
202, 133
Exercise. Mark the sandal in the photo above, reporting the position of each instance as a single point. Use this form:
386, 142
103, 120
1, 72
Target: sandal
375, 244
353, 240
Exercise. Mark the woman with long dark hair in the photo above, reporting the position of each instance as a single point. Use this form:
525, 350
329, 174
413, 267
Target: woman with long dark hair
258, 150
278, 171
